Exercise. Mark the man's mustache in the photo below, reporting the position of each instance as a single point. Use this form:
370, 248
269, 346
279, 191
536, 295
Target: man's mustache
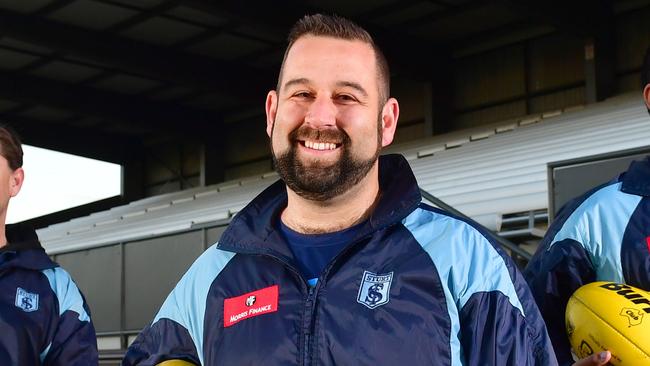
330, 135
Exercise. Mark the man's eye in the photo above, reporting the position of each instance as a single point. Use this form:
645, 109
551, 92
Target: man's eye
302, 95
346, 98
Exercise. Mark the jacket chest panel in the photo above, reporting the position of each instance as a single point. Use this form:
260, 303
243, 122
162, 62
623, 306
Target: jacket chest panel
412, 326
26, 313
265, 325
383, 306
635, 250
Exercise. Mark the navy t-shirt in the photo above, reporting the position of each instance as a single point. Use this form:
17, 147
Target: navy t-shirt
313, 252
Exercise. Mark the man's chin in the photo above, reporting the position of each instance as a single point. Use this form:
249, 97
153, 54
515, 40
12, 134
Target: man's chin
318, 164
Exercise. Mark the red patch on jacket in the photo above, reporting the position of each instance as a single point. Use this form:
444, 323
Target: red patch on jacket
647, 241
249, 305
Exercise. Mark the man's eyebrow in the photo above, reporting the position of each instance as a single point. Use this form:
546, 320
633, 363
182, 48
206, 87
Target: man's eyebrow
353, 85
296, 81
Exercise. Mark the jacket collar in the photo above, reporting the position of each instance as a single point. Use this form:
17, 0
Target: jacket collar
23, 250
254, 229
637, 178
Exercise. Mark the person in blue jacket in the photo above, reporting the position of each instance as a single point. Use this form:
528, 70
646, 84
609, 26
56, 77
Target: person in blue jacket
44, 319
604, 235
340, 263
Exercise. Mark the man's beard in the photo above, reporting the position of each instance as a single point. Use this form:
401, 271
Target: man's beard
318, 181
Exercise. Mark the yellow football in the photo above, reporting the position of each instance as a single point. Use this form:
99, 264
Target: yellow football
610, 316
175, 363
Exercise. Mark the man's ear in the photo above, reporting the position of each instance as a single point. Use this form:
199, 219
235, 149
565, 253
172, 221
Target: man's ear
271, 110
646, 95
389, 116
16, 182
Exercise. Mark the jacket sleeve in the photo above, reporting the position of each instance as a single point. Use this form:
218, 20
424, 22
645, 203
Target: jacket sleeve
169, 336
161, 341
554, 274
177, 330
502, 325
74, 342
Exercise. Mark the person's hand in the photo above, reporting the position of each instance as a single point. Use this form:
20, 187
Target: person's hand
599, 359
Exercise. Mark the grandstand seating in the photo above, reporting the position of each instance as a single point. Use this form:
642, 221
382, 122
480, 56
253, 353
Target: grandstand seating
485, 173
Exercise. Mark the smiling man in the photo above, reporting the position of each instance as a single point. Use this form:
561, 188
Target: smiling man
339, 262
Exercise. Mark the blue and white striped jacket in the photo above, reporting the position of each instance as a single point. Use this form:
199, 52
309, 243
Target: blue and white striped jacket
603, 235
44, 319
416, 287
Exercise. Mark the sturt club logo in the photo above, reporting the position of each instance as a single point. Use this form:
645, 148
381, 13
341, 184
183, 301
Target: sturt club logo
374, 290
27, 301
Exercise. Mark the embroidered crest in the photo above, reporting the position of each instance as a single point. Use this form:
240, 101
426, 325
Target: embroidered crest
27, 301
374, 290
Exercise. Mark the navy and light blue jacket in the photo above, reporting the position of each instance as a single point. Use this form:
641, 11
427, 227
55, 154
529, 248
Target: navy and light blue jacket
416, 287
603, 235
43, 317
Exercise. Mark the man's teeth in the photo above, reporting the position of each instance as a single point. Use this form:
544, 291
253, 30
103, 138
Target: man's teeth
320, 145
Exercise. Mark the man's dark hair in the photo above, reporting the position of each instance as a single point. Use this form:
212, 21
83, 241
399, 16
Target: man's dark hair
10, 147
341, 28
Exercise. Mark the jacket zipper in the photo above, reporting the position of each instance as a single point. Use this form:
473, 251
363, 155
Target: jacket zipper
307, 326
309, 309
309, 301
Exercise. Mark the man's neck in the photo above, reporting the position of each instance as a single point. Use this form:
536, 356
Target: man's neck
339, 213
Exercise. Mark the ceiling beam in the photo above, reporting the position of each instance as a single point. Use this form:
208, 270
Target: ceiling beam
86, 142
139, 58
408, 55
582, 18
122, 109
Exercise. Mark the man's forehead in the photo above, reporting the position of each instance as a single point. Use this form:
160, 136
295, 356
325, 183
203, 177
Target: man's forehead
311, 56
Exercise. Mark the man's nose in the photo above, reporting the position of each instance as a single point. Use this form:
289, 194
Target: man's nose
321, 112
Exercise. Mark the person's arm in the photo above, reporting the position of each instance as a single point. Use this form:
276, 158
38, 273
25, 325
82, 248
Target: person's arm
554, 274
169, 336
74, 341
164, 340
504, 329
176, 332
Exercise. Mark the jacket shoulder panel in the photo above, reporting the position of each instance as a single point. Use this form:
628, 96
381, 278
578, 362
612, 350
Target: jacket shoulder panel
467, 264
66, 292
598, 225
186, 304
465, 258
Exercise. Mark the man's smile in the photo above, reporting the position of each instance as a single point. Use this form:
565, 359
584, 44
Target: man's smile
319, 145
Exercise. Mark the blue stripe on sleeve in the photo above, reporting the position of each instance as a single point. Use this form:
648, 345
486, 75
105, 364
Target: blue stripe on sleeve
186, 304
598, 224
66, 292
467, 264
